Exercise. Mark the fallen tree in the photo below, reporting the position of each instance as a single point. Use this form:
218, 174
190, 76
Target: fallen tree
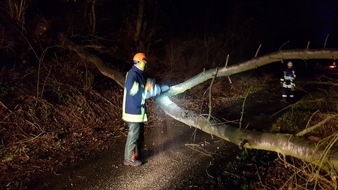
285, 144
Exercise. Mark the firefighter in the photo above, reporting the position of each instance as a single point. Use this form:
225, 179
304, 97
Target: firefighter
288, 82
136, 91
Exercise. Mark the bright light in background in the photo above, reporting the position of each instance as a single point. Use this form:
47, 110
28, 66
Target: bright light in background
333, 65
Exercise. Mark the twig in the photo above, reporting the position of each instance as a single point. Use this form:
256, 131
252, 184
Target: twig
39, 66
283, 45
307, 130
327, 37
232, 174
230, 80
283, 159
100, 96
310, 171
232, 121
31, 139
199, 149
214, 118
206, 170
44, 83
308, 122
34, 125
226, 62
5, 107
210, 89
282, 110
194, 135
259, 177
332, 141
10, 112
259, 47
210, 96
243, 107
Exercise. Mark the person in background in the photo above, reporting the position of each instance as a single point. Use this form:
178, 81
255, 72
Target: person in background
136, 91
288, 82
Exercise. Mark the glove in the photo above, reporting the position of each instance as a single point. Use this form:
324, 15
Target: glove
149, 84
293, 86
164, 88
152, 89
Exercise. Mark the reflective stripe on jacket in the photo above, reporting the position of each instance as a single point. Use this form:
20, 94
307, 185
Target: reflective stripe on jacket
134, 108
288, 79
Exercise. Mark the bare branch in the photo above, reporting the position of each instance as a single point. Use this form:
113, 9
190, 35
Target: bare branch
252, 64
243, 107
307, 130
286, 144
327, 37
107, 71
210, 94
280, 48
227, 60
259, 47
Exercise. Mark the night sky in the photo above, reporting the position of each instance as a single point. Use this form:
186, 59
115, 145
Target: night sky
271, 21
285, 24
267, 22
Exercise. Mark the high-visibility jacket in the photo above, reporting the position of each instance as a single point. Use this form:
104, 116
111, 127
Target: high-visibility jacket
134, 96
289, 77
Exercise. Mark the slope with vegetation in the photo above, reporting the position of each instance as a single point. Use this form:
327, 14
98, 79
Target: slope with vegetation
56, 107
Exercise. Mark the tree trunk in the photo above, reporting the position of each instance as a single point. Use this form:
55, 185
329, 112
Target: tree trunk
139, 22
286, 144
252, 64
107, 71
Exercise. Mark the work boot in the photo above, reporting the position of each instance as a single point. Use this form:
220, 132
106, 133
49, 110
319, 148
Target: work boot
132, 162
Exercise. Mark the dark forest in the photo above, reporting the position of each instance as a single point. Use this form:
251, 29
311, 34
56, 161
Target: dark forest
63, 63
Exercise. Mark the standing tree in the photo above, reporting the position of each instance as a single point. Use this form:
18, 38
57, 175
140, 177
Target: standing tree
139, 26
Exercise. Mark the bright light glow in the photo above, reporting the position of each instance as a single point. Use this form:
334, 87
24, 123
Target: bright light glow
165, 100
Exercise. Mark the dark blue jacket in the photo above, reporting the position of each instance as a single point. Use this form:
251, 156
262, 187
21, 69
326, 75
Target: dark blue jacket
134, 108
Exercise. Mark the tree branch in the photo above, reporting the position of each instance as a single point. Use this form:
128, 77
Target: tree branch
210, 96
243, 106
285, 144
107, 71
307, 130
252, 64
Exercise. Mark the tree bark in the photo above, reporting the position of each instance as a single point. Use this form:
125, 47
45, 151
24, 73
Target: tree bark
286, 144
107, 71
139, 21
252, 64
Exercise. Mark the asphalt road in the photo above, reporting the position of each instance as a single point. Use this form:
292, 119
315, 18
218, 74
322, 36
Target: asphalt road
179, 159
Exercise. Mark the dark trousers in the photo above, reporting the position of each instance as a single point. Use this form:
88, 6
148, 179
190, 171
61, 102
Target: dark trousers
287, 93
135, 140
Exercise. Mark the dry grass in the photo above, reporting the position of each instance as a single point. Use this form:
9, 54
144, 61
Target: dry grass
311, 110
17, 10
67, 122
